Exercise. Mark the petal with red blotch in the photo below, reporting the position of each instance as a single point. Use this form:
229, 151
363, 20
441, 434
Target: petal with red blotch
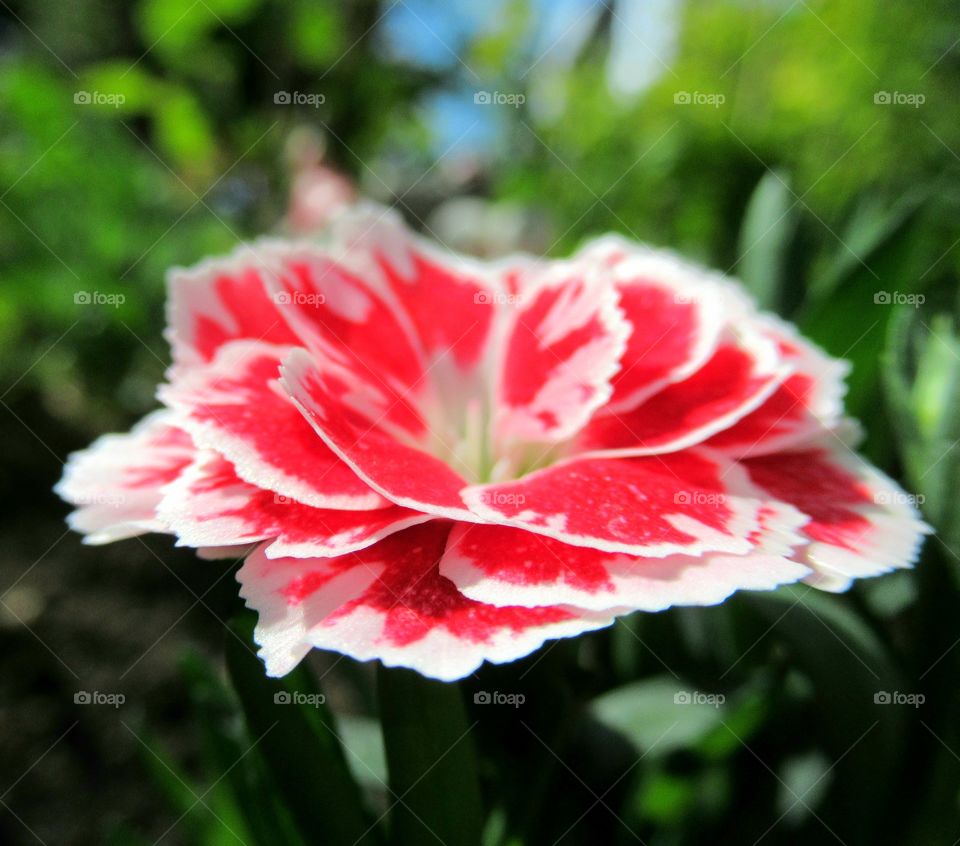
689, 279
740, 375
333, 305
235, 406
406, 615
116, 482
809, 400
677, 322
656, 506
221, 300
401, 472
501, 565
210, 506
861, 522
450, 300
294, 595
562, 348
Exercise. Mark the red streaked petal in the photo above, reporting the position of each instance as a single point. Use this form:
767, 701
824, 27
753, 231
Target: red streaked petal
739, 376
655, 506
333, 305
292, 596
116, 482
861, 522
501, 565
677, 320
809, 401
221, 300
210, 506
401, 472
449, 299
403, 612
236, 407
563, 347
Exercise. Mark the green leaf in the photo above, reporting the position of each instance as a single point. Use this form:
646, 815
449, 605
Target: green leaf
300, 746
922, 384
431, 761
804, 779
362, 737
852, 322
872, 226
768, 227
849, 668
226, 745
177, 787
660, 714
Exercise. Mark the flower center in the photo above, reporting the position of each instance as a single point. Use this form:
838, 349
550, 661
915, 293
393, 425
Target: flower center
462, 434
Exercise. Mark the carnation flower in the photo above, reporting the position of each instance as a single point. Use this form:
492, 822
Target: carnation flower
436, 462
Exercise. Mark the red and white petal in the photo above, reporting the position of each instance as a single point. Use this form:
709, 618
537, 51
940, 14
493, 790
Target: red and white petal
221, 300
677, 322
292, 596
235, 406
809, 401
405, 613
450, 300
861, 522
562, 348
333, 305
401, 472
501, 565
740, 375
117, 481
652, 507
210, 506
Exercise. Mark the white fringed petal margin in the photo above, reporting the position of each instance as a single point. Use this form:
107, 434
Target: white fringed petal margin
235, 406
116, 482
210, 506
390, 602
862, 522
500, 565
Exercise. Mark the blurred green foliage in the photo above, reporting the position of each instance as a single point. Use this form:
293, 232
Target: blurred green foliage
799, 176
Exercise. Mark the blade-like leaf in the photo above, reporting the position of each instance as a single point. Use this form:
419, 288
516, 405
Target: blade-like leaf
864, 734
431, 761
299, 743
768, 226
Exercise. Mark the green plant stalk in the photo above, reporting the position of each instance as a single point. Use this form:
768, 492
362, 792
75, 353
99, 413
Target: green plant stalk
431, 760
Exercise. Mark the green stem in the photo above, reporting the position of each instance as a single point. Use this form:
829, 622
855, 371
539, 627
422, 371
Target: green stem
431, 760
